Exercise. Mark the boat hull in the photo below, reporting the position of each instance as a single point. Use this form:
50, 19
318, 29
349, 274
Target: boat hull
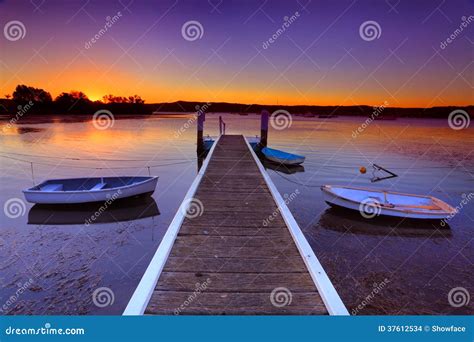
281, 157
339, 202
87, 196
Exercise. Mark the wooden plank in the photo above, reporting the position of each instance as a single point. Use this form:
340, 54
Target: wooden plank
237, 303
235, 282
234, 265
239, 246
231, 241
231, 231
235, 252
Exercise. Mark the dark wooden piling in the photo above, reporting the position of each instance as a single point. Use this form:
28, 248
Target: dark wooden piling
264, 128
200, 131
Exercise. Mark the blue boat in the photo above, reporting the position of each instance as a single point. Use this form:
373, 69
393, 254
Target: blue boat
282, 157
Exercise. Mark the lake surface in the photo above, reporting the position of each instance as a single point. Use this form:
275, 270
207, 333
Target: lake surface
51, 262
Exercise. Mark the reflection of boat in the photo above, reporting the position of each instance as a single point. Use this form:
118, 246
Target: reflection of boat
84, 190
122, 210
282, 157
373, 202
288, 169
345, 221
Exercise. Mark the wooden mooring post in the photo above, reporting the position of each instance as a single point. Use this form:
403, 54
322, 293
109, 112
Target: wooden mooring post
200, 131
264, 128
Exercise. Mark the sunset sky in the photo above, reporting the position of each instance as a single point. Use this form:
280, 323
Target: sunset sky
321, 57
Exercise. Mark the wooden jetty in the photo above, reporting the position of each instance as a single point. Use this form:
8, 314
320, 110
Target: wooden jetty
241, 253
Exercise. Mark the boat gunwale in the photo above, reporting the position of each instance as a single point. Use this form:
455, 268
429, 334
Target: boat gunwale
30, 190
327, 189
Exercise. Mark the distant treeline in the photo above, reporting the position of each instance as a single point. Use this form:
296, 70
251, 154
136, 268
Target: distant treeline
39, 101
363, 110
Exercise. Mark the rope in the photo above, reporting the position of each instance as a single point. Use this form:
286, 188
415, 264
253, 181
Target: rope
93, 168
76, 159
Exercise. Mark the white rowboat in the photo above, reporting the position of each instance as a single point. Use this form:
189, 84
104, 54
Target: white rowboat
85, 190
373, 202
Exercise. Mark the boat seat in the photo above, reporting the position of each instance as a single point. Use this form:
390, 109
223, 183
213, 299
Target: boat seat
52, 187
99, 186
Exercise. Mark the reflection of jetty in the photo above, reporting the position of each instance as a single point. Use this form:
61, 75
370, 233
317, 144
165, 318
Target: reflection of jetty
234, 248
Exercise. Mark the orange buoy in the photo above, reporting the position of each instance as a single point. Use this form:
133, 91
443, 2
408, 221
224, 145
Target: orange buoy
362, 170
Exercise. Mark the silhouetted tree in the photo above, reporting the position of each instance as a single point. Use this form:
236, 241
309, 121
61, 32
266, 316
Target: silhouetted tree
74, 101
25, 93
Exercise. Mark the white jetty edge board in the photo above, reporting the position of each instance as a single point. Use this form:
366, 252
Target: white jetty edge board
326, 289
140, 298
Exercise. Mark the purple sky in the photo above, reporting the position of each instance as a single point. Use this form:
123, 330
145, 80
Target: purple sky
320, 58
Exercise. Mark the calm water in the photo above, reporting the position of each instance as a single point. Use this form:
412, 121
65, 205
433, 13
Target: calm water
414, 265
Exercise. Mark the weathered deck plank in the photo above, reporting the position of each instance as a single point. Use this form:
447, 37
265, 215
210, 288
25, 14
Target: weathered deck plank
233, 248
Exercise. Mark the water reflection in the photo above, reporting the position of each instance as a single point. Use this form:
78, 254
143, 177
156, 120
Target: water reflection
287, 169
118, 211
346, 221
